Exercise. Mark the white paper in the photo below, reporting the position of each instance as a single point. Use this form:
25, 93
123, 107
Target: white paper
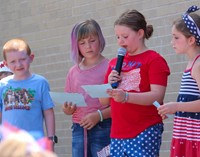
97, 91
62, 97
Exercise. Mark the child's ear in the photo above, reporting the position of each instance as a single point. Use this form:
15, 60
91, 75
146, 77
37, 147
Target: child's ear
141, 33
32, 56
192, 40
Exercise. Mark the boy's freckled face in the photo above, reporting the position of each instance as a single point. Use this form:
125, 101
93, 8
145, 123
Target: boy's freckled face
18, 61
13, 55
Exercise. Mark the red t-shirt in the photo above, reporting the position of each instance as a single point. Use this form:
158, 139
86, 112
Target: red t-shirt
138, 73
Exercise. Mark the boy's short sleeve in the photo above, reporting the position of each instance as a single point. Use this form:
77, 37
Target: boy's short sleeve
47, 101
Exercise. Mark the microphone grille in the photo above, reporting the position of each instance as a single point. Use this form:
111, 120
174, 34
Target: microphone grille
121, 51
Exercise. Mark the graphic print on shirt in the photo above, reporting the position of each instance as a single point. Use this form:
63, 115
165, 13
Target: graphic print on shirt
132, 78
18, 98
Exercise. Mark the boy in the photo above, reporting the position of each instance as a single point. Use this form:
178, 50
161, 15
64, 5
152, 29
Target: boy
24, 97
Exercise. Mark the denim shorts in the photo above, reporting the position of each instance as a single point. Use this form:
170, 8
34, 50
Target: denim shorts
146, 144
97, 138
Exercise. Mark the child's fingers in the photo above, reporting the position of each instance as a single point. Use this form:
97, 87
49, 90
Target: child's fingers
73, 107
164, 117
66, 104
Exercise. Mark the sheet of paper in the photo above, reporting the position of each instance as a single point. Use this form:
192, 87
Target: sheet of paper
62, 97
97, 91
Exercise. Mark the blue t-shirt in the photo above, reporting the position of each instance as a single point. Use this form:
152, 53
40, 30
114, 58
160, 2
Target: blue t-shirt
22, 102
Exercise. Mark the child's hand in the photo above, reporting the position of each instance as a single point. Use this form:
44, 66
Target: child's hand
167, 108
90, 120
69, 108
164, 117
114, 77
117, 94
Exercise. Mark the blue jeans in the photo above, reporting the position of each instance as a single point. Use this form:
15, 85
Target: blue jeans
97, 138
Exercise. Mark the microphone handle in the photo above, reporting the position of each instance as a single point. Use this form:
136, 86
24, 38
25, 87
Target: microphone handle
115, 85
118, 69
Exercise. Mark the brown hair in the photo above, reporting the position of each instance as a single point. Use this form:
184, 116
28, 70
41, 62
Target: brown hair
16, 45
181, 26
136, 21
83, 30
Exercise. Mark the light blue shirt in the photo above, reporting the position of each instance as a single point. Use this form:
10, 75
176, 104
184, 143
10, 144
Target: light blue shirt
22, 102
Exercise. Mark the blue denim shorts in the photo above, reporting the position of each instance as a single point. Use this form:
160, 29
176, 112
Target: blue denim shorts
146, 144
97, 138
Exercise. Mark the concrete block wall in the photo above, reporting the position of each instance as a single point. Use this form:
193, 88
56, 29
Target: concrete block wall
46, 25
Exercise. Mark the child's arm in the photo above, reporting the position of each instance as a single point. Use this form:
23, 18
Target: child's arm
91, 119
49, 122
106, 113
172, 107
104, 101
157, 92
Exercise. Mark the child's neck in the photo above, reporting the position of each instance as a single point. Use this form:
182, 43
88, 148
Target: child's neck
140, 50
22, 77
90, 63
193, 53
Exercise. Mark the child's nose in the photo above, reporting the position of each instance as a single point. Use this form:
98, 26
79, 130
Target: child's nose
87, 45
120, 41
18, 63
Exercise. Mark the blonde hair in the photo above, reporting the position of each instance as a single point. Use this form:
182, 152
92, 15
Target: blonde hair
17, 148
16, 45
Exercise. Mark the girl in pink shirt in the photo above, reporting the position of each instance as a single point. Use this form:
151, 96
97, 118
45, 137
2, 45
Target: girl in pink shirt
91, 124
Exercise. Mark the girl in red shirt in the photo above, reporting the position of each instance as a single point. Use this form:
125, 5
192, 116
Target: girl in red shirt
136, 126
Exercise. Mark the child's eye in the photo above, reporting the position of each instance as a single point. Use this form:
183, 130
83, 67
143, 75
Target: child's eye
175, 37
81, 43
23, 59
92, 40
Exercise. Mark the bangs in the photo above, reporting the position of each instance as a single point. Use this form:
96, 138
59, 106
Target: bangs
86, 31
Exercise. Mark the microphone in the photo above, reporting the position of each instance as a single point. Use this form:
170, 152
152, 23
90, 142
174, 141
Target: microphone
118, 67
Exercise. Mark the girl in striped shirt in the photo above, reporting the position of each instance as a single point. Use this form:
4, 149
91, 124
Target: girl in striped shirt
186, 130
